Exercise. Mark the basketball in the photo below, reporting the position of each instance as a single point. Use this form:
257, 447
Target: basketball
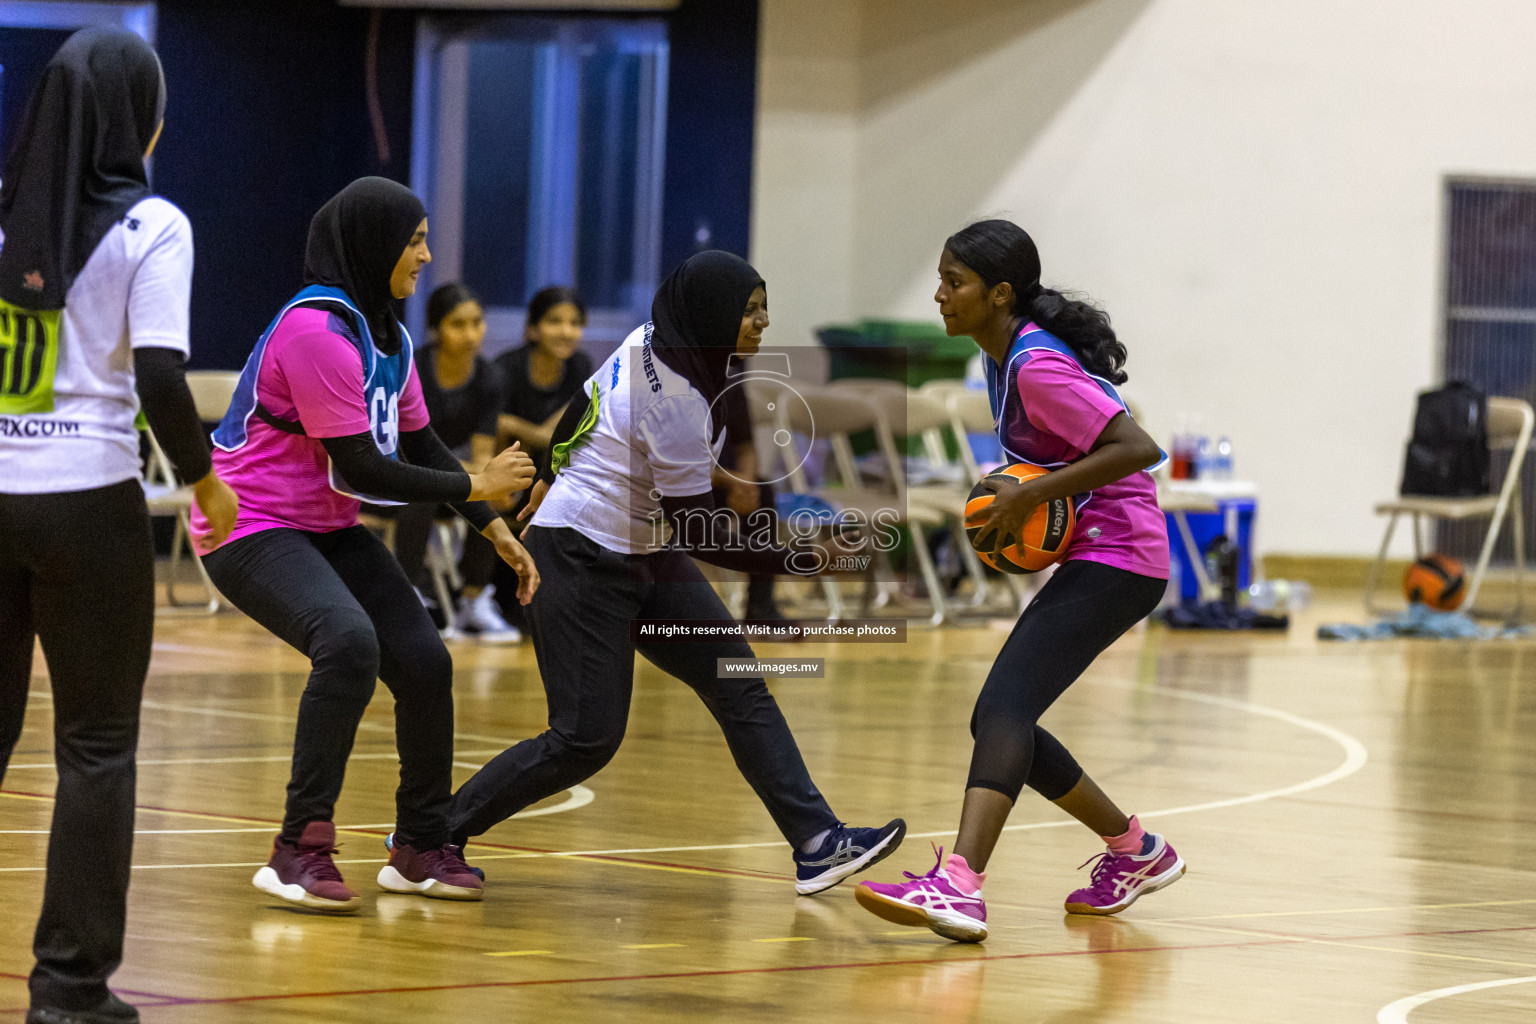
1437, 581
1045, 536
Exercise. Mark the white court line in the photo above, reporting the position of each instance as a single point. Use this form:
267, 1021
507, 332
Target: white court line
579, 796
1355, 757
387, 756
1397, 1013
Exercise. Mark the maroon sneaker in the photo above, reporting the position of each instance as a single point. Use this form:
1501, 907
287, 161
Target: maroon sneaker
440, 873
305, 874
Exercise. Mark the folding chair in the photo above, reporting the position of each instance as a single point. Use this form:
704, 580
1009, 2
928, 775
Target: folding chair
970, 412
1509, 429
835, 413
906, 413
164, 497
212, 391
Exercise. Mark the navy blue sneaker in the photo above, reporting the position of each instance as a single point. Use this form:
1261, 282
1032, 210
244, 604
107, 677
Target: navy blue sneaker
844, 852
389, 844
112, 1010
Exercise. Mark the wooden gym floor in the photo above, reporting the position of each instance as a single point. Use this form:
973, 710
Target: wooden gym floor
1357, 820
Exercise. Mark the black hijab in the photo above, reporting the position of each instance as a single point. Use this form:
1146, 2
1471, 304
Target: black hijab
696, 318
78, 164
355, 240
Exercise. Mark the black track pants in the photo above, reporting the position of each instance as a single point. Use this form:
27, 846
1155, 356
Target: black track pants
580, 620
343, 600
77, 571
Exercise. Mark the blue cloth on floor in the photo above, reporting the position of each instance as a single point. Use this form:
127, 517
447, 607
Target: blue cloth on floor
1215, 615
1422, 621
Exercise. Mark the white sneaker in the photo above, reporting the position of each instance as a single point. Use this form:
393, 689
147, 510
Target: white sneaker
479, 617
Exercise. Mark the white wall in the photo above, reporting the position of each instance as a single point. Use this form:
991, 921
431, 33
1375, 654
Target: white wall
1253, 190
803, 167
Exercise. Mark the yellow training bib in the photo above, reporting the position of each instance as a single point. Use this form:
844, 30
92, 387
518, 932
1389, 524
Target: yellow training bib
29, 358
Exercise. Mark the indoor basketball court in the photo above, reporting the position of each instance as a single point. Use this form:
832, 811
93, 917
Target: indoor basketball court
1351, 817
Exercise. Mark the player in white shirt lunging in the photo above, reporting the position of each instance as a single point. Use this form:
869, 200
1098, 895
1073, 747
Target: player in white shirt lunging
639, 448
95, 279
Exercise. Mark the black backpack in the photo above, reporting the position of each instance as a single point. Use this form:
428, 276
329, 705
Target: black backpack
1448, 454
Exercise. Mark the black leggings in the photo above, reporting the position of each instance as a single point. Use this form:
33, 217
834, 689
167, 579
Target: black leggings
77, 570
580, 621
343, 600
1082, 609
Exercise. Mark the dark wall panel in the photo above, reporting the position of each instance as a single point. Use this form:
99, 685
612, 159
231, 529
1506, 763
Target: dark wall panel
24, 53
267, 118
711, 106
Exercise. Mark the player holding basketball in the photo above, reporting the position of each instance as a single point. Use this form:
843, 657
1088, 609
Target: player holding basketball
326, 405
95, 283
1051, 364
640, 446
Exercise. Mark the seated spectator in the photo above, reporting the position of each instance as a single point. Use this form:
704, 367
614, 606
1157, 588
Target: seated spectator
542, 376
463, 393
736, 484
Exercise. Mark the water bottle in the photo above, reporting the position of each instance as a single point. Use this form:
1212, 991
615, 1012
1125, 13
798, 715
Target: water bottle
1221, 562
1279, 595
1179, 468
1174, 595
1223, 459
1205, 459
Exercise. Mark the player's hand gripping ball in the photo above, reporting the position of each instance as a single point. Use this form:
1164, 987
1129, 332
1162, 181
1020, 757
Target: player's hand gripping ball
1045, 535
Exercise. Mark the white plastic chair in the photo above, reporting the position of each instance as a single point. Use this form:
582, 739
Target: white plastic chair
835, 413
906, 413
212, 391
164, 497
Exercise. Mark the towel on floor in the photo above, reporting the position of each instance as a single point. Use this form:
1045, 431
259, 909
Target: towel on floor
1423, 621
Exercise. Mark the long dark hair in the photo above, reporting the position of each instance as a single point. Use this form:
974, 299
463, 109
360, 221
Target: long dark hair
1000, 250
446, 298
546, 299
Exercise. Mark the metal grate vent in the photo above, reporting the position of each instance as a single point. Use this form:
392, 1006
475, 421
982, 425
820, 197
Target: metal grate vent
1490, 320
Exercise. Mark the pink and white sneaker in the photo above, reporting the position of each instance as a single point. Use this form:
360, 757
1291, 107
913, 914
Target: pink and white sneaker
1121, 879
932, 901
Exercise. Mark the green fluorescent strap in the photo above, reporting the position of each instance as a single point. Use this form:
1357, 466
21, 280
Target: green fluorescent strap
560, 457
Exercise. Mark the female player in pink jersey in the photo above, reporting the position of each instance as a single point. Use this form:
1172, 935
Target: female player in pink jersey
326, 407
1051, 365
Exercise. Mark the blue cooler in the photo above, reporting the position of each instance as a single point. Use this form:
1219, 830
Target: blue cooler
1205, 527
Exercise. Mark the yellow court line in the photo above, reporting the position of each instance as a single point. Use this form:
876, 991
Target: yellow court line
376, 860
202, 815
1425, 952
477, 857
1347, 910
655, 945
223, 864
28, 796
1343, 944
523, 952
788, 938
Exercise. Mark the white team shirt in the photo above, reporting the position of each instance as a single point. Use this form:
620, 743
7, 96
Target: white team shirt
133, 292
653, 438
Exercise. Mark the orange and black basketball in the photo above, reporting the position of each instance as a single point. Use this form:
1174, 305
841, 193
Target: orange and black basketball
1437, 581
1045, 536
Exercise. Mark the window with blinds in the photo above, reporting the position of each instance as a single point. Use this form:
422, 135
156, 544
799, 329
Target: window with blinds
1490, 319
